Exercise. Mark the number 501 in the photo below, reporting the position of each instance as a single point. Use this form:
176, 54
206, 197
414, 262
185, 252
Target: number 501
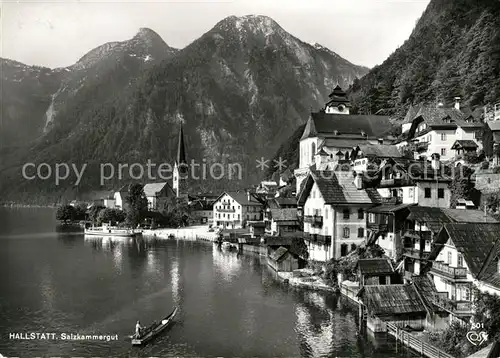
477, 325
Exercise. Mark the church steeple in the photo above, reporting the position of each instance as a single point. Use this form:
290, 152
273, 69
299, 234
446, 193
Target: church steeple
339, 102
181, 150
180, 168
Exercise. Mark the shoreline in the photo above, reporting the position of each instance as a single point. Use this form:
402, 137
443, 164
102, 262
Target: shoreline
18, 205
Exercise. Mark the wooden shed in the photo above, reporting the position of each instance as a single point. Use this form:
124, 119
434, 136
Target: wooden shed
283, 260
400, 305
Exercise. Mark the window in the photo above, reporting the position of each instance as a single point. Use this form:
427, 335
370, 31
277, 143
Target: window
411, 192
346, 214
443, 137
371, 217
440, 193
427, 193
343, 250
313, 151
449, 258
353, 247
460, 261
361, 214
347, 233
361, 232
443, 151
326, 213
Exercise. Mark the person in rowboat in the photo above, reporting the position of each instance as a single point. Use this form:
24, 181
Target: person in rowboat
138, 329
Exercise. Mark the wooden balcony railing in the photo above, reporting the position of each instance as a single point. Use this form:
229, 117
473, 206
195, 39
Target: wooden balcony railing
315, 220
426, 235
226, 210
416, 253
441, 299
319, 239
376, 227
451, 272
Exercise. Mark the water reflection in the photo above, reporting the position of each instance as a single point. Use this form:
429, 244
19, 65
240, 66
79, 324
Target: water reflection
174, 277
316, 335
227, 263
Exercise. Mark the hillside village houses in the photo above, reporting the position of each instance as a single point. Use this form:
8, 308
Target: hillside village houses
445, 131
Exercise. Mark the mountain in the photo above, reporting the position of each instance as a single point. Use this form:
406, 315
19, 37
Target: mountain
454, 50
32, 95
240, 89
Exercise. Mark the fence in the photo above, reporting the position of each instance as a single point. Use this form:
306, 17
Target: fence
409, 340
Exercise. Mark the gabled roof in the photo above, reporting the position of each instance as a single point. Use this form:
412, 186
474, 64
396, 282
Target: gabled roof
494, 125
427, 290
152, 189
389, 208
279, 254
464, 144
468, 216
391, 299
380, 150
289, 214
473, 241
338, 188
321, 123
432, 217
378, 266
241, 198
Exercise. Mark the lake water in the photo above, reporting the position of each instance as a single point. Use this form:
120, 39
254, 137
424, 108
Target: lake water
57, 281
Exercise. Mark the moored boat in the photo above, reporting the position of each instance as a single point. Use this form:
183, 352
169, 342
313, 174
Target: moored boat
111, 231
154, 329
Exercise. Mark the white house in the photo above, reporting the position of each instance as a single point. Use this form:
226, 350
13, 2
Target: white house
120, 198
234, 209
465, 255
435, 130
160, 196
334, 206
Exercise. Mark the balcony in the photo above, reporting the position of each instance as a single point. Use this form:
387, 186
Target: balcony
441, 268
318, 239
314, 220
226, 210
417, 234
415, 253
397, 182
377, 227
457, 307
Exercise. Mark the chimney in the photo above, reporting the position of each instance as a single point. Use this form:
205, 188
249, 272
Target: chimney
435, 163
248, 195
358, 181
457, 103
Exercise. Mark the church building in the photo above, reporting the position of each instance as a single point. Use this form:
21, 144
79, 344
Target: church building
332, 135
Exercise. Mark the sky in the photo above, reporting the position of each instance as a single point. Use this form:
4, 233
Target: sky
58, 33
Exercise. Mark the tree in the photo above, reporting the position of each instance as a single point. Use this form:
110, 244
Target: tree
94, 212
81, 211
461, 187
65, 213
110, 215
138, 205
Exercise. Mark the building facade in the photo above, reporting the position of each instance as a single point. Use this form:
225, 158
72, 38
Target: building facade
234, 209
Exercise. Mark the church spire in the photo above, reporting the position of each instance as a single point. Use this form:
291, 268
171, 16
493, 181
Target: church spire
181, 150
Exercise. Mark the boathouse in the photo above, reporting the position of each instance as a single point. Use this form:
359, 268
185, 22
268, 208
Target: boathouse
375, 271
283, 260
397, 304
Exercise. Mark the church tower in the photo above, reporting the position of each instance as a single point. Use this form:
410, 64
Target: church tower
180, 169
338, 103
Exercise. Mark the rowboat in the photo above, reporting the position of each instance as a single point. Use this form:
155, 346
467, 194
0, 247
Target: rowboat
154, 330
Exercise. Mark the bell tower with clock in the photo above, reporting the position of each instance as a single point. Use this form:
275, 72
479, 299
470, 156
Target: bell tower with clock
338, 103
